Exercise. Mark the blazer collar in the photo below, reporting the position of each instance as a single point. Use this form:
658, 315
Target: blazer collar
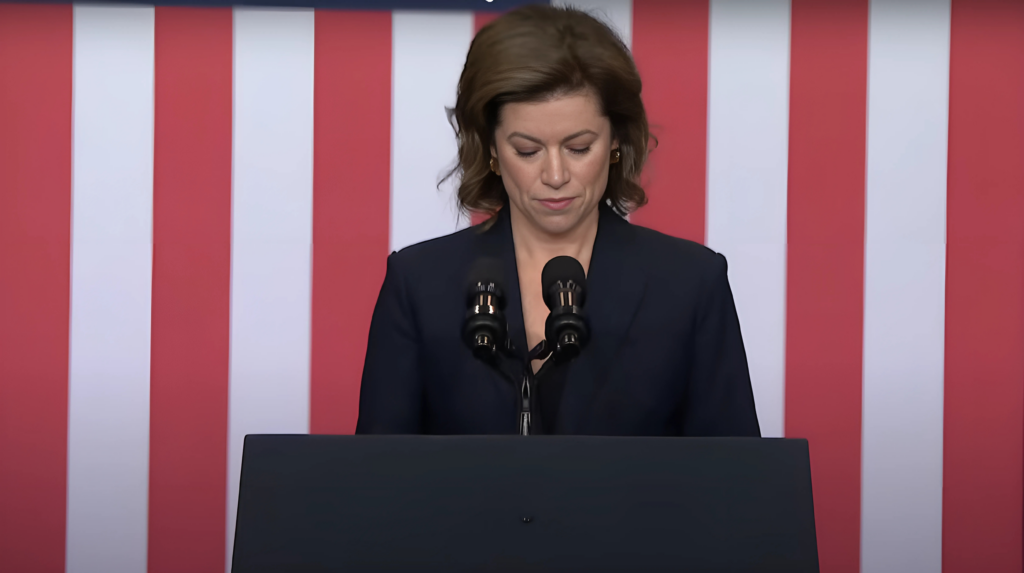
615, 289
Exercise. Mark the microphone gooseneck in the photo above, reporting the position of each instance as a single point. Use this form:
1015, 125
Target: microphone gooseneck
484, 329
565, 293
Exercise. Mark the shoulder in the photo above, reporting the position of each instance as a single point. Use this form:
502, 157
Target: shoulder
669, 256
434, 258
696, 275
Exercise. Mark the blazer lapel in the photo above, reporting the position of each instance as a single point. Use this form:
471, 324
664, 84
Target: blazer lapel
497, 242
615, 289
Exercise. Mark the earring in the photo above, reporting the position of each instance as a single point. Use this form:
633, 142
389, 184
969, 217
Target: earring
494, 167
616, 156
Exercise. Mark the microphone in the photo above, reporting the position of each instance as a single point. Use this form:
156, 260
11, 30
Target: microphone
484, 329
565, 292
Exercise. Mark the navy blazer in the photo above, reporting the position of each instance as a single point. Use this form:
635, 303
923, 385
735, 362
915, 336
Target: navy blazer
665, 357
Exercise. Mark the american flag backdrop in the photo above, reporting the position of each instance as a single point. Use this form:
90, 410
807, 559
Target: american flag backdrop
196, 204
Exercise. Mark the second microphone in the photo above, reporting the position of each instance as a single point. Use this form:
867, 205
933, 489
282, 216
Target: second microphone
565, 293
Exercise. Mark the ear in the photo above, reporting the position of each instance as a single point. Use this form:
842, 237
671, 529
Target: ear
615, 142
494, 151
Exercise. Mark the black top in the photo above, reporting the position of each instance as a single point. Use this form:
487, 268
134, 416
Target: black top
550, 385
665, 357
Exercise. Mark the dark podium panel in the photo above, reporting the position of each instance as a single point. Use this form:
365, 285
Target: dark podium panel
524, 504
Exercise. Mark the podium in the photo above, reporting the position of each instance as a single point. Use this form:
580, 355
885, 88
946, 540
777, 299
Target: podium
524, 504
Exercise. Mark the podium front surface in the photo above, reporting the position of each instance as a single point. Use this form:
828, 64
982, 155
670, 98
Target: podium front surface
524, 504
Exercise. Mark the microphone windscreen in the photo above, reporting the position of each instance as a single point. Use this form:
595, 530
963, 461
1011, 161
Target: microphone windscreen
486, 270
562, 269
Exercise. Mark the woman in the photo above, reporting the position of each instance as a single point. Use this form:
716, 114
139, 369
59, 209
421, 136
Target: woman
552, 137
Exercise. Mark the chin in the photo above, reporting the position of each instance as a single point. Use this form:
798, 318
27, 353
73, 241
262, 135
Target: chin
558, 223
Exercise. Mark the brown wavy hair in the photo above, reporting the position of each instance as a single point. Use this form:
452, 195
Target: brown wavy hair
535, 53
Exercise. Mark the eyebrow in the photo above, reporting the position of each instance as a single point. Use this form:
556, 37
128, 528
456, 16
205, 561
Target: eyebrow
567, 138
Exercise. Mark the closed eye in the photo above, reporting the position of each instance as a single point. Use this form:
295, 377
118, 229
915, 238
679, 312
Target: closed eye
582, 151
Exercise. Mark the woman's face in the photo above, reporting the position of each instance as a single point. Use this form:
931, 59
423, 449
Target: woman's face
553, 157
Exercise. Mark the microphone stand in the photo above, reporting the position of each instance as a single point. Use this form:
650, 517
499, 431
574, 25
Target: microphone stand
502, 362
539, 352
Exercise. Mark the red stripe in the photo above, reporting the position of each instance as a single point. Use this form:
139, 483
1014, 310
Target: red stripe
191, 290
351, 205
670, 45
35, 279
825, 262
984, 402
481, 19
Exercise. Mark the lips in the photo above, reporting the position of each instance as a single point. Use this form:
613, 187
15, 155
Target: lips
558, 203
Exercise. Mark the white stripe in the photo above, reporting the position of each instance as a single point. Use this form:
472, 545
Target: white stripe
904, 304
111, 280
429, 51
617, 13
272, 230
748, 130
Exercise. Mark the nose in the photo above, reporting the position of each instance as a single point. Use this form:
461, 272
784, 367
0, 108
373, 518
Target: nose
554, 173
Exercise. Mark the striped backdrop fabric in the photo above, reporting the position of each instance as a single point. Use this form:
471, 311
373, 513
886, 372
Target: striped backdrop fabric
196, 204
